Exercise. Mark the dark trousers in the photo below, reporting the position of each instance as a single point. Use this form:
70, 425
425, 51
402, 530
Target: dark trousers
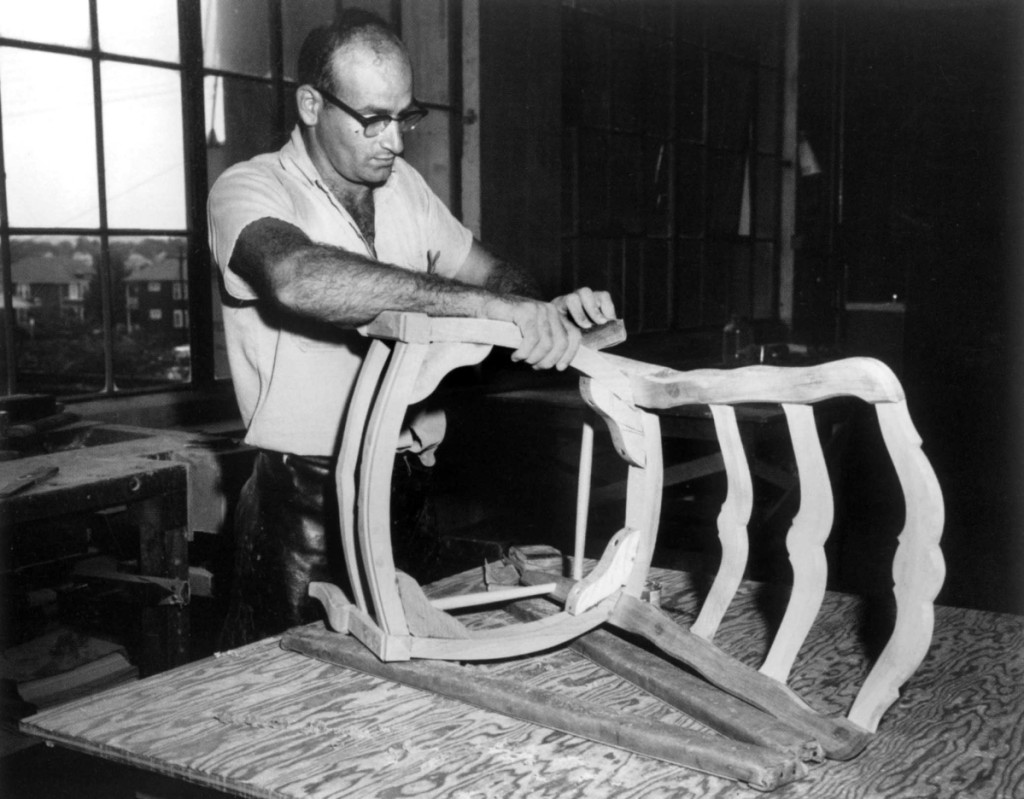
287, 535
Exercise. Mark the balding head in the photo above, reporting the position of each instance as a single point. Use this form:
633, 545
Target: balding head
356, 36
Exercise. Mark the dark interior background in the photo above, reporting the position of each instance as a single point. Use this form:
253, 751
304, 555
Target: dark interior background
913, 111
930, 212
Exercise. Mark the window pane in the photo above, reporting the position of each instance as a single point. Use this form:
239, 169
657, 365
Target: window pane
149, 348
593, 182
592, 76
767, 200
236, 36
143, 146
764, 280
690, 92
769, 104
239, 122
427, 149
146, 30
626, 179
690, 207
51, 175
626, 83
425, 25
731, 96
726, 173
58, 314
300, 17
50, 21
656, 285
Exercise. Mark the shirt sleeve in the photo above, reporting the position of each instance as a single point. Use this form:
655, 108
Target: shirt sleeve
240, 196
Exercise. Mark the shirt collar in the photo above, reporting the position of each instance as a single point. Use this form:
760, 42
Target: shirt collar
294, 153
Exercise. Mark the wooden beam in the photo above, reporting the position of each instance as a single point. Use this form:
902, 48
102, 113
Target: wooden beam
757, 766
840, 738
684, 691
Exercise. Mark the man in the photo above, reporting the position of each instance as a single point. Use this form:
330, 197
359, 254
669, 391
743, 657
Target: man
311, 242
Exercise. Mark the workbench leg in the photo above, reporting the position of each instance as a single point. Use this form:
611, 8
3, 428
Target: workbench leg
163, 552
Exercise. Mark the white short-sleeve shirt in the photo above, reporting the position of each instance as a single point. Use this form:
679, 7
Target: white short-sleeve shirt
292, 383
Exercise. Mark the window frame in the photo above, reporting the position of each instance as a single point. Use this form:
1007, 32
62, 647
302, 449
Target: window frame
690, 265
194, 232
199, 292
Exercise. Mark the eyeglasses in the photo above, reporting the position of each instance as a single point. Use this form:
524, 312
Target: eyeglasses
377, 124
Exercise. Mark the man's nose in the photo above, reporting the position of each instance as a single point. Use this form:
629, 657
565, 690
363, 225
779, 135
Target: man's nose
392, 138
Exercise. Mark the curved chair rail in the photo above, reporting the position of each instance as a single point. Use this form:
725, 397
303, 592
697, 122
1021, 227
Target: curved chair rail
410, 355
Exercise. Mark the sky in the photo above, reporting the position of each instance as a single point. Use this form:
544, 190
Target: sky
49, 116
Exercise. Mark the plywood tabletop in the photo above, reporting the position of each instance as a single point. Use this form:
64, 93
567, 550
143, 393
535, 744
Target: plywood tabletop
261, 721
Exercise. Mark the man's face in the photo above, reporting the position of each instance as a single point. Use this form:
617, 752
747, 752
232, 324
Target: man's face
370, 84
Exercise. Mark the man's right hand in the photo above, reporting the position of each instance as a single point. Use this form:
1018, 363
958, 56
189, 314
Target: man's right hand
550, 338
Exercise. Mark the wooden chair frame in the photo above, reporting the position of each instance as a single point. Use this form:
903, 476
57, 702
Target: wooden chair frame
411, 353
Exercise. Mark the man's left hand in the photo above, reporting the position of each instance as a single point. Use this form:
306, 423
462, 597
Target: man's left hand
586, 307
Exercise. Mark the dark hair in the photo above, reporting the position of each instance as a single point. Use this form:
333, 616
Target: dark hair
353, 24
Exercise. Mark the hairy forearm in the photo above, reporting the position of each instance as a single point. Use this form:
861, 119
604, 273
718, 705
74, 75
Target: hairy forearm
328, 284
334, 285
508, 279
342, 288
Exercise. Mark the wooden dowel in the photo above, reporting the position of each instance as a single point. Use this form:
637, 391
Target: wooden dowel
490, 597
583, 499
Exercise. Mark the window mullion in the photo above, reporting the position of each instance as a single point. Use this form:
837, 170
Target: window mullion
101, 186
7, 285
200, 294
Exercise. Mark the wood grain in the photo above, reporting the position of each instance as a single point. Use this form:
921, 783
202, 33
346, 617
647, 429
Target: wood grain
424, 349
583, 481
805, 543
373, 507
760, 767
348, 461
732, 523
263, 722
839, 739
918, 567
609, 575
684, 691
867, 378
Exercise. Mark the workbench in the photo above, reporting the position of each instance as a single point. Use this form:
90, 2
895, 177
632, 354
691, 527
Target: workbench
168, 485
265, 722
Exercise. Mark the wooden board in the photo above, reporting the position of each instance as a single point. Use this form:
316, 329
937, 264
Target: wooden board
760, 767
263, 722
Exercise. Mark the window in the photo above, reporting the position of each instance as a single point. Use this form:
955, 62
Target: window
91, 110
111, 211
671, 157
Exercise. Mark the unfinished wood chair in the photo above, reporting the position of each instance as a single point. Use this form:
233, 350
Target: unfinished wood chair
392, 617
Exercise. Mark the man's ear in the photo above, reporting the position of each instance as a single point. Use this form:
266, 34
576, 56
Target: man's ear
309, 104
